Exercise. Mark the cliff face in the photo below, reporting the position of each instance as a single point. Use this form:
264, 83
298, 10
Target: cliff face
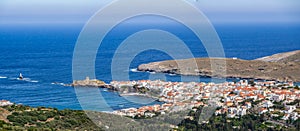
281, 67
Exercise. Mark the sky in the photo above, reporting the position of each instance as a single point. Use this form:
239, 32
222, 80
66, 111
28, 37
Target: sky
218, 11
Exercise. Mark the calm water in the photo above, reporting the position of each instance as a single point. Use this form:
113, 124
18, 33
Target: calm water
44, 55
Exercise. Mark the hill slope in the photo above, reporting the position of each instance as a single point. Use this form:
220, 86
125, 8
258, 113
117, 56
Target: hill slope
19, 117
281, 67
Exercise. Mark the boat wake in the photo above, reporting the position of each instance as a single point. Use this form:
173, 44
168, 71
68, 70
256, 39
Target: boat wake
27, 80
34, 81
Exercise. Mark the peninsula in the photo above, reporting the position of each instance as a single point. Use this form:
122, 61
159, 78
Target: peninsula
280, 67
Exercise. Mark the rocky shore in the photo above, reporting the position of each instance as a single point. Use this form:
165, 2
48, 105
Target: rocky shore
280, 67
90, 83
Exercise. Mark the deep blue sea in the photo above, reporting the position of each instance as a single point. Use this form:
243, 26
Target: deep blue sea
43, 54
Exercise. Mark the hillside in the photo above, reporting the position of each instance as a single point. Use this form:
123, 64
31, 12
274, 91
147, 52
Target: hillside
19, 117
281, 67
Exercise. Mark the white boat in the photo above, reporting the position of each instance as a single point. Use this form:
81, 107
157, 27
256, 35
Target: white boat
21, 76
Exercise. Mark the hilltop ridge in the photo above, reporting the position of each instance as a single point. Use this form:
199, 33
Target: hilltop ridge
293, 56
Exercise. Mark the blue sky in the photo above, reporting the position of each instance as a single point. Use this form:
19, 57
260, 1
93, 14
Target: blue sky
79, 11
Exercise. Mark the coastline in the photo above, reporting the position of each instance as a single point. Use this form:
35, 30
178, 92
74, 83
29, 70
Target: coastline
186, 96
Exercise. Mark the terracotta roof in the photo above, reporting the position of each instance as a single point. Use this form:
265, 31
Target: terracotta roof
231, 95
260, 96
262, 109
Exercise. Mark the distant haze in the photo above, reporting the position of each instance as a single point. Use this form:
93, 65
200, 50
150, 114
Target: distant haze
79, 11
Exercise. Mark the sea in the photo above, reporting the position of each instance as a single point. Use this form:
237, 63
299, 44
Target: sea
43, 53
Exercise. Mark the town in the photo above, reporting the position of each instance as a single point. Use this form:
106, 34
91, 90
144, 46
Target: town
279, 101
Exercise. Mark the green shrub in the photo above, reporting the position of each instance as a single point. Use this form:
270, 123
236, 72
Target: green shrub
42, 118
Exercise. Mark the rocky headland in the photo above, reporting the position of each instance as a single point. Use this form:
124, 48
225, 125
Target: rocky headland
280, 67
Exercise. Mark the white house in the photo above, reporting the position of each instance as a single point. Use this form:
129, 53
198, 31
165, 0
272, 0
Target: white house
267, 104
290, 108
5, 103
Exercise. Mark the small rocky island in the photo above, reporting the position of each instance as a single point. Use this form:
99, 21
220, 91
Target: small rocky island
280, 67
90, 83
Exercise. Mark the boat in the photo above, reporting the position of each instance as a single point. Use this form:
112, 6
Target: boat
21, 76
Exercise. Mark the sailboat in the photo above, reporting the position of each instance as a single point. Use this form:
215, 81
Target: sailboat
20, 76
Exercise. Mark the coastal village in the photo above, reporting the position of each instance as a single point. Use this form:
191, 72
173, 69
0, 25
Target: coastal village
279, 101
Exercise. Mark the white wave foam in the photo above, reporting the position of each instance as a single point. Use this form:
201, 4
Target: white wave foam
3, 77
134, 70
57, 83
152, 72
